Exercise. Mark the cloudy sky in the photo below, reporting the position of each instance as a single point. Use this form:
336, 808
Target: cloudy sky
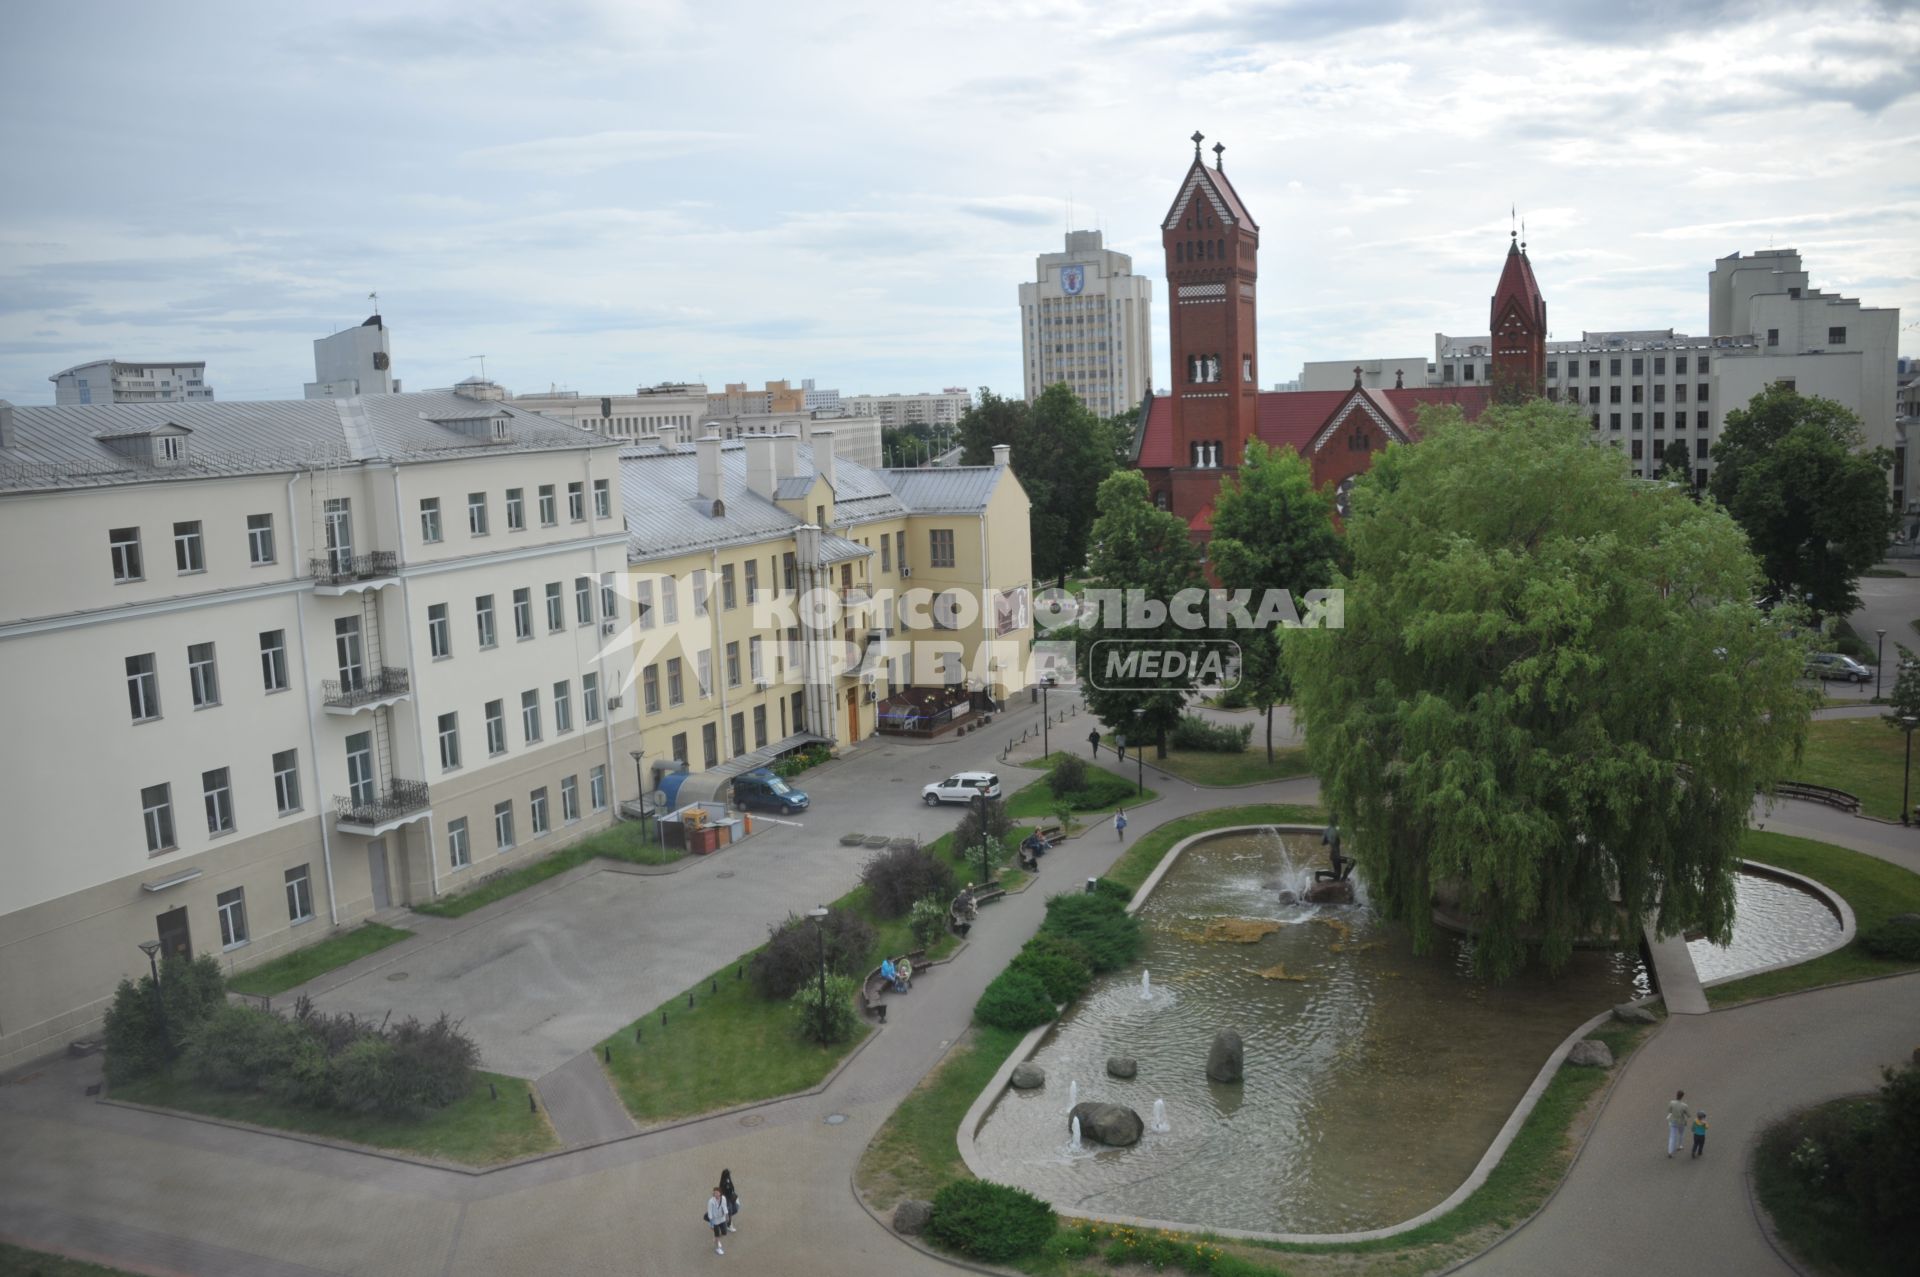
604, 194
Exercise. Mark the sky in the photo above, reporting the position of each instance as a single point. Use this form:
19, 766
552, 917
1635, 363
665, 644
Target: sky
599, 194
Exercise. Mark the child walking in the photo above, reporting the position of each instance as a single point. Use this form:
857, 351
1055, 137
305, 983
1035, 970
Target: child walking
717, 1218
1120, 825
1699, 1132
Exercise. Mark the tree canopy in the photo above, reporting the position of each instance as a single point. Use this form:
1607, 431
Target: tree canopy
1272, 530
1553, 692
1061, 452
1816, 511
1137, 547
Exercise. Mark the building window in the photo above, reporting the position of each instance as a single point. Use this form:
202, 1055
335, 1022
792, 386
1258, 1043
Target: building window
1700, 446
789, 573
156, 802
259, 539
1659, 392
430, 519
1553, 367
1680, 392
710, 745
299, 894
756, 659
1613, 421
1638, 448
556, 608
216, 791
650, 688
523, 613
940, 547
577, 502
679, 746
739, 734
886, 553
590, 697
449, 741
124, 545
669, 600
597, 787
1659, 421
496, 728
676, 684
753, 574
360, 784
189, 555
348, 654
603, 498
1836, 336
477, 513
900, 548
549, 506
609, 601
759, 726
537, 811
1246, 367
703, 671
503, 825
569, 798
1773, 336
733, 664
699, 592
1613, 394
483, 619
583, 599
459, 851
1700, 419
202, 674
530, 715
286, 781
143, 687
439, 631
728, 599
516, 509
232, 906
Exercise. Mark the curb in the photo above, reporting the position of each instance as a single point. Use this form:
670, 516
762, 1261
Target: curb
886, 1226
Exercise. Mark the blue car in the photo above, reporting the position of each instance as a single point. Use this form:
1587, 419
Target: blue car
761, 790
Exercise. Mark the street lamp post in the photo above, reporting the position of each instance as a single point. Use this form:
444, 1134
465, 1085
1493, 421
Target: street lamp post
1139, 754
152, 949
819, 916
1906, 780
986, 867
1046, 684
1879, 659
640, 778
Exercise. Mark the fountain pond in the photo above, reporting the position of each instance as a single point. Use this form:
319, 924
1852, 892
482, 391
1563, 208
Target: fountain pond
1375, 1080
1773, 922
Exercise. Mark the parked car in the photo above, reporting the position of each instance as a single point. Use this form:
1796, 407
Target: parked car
962, 787
1832, 665
761, 790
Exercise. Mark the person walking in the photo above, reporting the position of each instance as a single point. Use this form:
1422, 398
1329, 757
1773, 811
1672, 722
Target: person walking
1699, 1132
732, 1197
1679, 1118
1093, 739
717, 1218
1120, 825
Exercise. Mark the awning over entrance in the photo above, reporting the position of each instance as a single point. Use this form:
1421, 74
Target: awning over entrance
171, 880
705, 787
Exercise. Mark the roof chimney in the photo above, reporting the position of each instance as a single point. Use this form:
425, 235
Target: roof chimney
786, 457
6, 424
762, 477
823, 458
708, 448
1002, 454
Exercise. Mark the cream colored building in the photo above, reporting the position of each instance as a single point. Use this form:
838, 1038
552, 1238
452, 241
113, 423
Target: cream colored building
1086, 319
271, 668
923, 409
642, 415
782, 593
676, 412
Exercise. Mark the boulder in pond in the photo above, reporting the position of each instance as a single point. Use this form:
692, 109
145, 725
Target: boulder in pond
1628, 1013
1114, 1125
1592, 1053
1028, 1076
1121, 1066
1330, 893
1226, 1060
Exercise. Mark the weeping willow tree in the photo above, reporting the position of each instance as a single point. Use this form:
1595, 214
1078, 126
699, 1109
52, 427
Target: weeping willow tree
1553, 699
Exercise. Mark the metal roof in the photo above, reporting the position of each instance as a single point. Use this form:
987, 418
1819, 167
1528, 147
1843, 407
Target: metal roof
948, 490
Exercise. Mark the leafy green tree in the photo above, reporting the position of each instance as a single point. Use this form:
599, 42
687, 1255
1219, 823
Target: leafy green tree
1815, 509
1674, 464
1904, 700
1061, 452
1553, 699
1137, 547
1272, 530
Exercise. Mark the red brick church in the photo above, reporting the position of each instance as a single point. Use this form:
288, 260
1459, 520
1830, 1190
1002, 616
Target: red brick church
1192, 436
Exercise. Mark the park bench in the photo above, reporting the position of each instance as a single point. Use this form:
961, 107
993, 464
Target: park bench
1819, 794
874, 989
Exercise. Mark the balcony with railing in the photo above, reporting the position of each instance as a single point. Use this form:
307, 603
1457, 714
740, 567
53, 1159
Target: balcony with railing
335, 573
373, 812
369, 690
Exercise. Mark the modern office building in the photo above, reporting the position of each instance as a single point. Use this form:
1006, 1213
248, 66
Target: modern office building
1087, 320
274, 668
111, 381
354, 361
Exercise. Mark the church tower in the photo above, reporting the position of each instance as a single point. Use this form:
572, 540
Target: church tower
1212, 246
1519, 328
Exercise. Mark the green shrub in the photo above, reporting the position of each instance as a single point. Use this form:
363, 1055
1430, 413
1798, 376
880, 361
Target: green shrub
1103, 790
792, 953
436, 1061
928, 919
1114, 890
1062, 977
1069, 776
1893, 939
990, 1221
1194, 732
966, 834
1052, 942
794, 764
239, 1048
840, 1017
899, 876
138, 1029
1014, 1000
1235, 697
1097, 922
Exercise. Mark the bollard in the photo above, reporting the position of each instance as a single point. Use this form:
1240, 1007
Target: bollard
493, 1090
663, 1017
689, 999
609, 1050
531, 1106
636, 1032
716, 985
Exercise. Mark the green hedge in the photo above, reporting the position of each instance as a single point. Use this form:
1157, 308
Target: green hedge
1014, 1000
1099, 923
1194, 732
990, 1221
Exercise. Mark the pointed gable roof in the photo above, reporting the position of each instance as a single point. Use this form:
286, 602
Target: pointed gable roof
1210, 184
1518, 287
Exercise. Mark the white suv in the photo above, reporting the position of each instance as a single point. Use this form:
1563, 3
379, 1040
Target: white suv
962, 787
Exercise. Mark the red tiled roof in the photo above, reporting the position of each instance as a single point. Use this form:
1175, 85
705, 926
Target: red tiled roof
1294, 417
1202, 522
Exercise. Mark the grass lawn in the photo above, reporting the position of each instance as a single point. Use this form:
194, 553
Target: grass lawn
1875, 889
1133, 866
1863, 756
622, 842
17, 1261
302, 965
1106, 792
1828, 1236
1246, 768
476, 1131
914, 1153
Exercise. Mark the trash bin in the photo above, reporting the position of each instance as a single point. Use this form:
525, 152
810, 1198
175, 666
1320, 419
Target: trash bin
1090, 885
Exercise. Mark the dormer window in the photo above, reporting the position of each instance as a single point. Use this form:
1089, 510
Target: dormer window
173, 450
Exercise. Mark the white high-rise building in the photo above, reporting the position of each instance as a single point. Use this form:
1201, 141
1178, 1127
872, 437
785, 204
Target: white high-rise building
923, 409
119, 381
354, 361
1087, 320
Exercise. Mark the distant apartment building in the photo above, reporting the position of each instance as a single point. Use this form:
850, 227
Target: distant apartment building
924, 409
354, 361
814, 399
776, 396
111, 381
642, 415
283, 666
1087, 320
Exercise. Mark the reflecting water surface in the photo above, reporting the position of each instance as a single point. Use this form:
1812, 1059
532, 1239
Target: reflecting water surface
1773, 921
1375, 1080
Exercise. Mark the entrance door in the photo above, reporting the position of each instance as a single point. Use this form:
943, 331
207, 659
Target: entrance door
377, 873
853, 717
175, 940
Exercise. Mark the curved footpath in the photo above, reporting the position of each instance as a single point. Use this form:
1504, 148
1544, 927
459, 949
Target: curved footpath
158, 1194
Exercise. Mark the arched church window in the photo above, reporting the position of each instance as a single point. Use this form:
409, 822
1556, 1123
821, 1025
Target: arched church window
1221, 245
1160, 500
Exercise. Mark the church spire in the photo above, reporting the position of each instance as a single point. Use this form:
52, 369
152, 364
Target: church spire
1518, 322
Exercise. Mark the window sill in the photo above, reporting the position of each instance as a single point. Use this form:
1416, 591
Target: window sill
300, 922
208, 705
264, 563
292, 811
443, 657
129, 580
164, 851
192, 572
237, 944
142, 722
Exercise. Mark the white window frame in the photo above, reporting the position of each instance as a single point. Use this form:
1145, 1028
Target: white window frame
216, 795
143, 687
603, 498
530, 715
189, 548
156, 810
590, 697
549, 507
477, 514
577, 502
123, 545
299, 886
503, 839
430, 531
459, 848
203, 674
232, 909
538, 821
483, 620
562, 707
496, 717
363, 785
523, 613
286, 781
439, 631
597, 787
447, 728
260, 547
556, 608
642, 603
569, 799
583, 600
516, 509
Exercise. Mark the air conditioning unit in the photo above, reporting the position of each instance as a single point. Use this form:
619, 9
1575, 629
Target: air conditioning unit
607, 628
614, 702
763, 683
906, 571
